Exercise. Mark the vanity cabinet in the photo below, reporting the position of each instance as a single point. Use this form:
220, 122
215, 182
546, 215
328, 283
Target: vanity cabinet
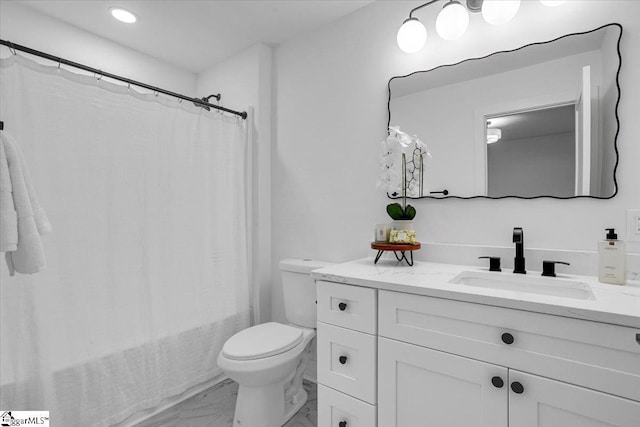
444, 362
417, 383
347, 355
485, 366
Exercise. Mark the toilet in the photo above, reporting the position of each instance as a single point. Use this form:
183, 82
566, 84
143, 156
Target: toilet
268, 360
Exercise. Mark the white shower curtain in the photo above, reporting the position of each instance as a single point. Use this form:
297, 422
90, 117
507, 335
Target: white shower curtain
147, 263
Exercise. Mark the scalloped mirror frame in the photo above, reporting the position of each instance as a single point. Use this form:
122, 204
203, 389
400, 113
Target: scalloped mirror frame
615, 140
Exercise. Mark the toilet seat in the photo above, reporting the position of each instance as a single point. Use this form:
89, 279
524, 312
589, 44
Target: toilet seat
260, 341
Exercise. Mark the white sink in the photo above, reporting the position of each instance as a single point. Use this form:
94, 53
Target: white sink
525, 283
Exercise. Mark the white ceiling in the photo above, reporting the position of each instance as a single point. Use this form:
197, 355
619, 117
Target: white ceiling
196, 34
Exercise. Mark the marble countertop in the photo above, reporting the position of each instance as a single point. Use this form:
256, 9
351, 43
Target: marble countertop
615, 304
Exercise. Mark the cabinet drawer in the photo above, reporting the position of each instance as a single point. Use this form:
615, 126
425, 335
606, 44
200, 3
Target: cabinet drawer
347, 361
591, 354
335, 408
352, 307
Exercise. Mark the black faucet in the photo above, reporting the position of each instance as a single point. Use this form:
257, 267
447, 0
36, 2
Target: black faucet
518, 262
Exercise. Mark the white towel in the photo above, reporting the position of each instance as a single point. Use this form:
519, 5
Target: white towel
8, 216
29, 256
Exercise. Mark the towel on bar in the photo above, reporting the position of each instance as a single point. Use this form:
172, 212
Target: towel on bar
28, 257
8, 216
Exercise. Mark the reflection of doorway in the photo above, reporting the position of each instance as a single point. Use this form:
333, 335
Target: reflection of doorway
535, 154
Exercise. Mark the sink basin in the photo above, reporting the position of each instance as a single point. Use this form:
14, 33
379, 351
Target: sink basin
523, 283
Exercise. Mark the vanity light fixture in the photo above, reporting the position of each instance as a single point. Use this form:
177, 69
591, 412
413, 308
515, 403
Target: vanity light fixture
498, 12
412, 35
123, 15
552, 3
453, 19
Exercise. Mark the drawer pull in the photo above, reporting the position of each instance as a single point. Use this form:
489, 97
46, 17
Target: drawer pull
507, 338
342, 360
342, 306
342, 424
517, 387
497, 382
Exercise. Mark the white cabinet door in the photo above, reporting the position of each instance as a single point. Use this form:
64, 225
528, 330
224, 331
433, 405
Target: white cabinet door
422, 387
543, 402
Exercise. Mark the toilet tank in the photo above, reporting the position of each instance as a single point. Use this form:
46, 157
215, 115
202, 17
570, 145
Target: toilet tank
299, 290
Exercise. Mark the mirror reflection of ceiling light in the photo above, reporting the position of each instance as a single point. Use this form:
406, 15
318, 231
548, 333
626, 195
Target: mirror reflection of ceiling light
453, 19
493, 135
123, 15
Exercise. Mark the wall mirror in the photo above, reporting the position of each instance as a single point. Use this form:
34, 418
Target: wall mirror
537, 121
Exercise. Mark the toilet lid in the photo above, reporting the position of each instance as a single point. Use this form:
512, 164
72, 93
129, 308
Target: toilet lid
256, 342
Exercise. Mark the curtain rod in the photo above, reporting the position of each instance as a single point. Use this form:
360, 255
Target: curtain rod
197, 101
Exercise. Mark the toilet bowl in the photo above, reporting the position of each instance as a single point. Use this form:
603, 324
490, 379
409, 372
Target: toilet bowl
268, 360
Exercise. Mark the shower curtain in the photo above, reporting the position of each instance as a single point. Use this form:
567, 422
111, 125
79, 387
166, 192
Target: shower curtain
147, 271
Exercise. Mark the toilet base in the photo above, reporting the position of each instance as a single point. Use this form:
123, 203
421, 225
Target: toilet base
274, 404
291, 408
265, 406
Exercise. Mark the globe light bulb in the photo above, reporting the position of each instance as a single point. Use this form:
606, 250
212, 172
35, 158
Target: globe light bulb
552, 3
452, 21
498, 12
411, 36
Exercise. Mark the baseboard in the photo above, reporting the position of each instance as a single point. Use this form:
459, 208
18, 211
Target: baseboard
310, 378
140, 417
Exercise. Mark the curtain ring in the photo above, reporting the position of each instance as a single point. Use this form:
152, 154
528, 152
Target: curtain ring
58, 63
12, 49
98, 78
128, 86
155, 93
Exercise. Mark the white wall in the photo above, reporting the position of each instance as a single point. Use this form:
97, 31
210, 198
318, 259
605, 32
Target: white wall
245, 81
27, 27
331, 116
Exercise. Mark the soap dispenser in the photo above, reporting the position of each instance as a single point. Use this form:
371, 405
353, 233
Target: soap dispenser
612, 259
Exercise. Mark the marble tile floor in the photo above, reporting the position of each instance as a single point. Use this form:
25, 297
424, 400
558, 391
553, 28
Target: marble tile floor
214, 408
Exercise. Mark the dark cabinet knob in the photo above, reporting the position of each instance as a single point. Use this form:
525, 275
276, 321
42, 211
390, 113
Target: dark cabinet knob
507, 338
342, 424
342, 306
517, 387
342, 359
497, 382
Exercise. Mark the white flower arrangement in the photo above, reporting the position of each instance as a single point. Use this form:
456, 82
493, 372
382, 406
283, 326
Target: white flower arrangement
402, 164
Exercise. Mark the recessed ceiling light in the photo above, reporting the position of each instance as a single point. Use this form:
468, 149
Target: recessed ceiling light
123, 15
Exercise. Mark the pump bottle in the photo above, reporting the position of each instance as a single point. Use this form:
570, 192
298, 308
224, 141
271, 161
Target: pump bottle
612, 259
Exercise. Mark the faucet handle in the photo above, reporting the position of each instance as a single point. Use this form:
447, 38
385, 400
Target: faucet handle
549, 267
494, 262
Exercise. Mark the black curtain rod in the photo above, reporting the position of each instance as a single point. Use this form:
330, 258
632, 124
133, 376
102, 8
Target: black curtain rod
197, 101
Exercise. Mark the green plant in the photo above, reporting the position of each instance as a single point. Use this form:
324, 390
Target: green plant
397, 211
